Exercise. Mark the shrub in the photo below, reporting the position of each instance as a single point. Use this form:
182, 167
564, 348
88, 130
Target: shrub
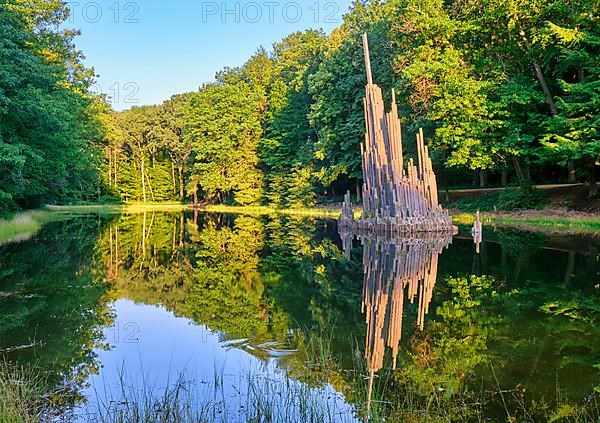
525, 197
472, 204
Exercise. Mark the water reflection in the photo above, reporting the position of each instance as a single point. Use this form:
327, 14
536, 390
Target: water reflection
395, 269
281, 293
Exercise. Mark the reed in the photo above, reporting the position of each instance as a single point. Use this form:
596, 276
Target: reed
24, 395
26, 398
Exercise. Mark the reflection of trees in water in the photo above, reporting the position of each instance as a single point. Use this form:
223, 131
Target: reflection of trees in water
54, 303
282, 277
147, 257
205, 269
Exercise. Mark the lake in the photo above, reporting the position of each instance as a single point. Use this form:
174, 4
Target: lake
277, 318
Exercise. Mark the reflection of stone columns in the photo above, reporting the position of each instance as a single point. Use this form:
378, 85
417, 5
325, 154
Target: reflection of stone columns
395, 268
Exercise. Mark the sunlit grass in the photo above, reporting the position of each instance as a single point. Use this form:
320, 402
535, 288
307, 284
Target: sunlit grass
130, 208
571, 225
265, 210
23, 225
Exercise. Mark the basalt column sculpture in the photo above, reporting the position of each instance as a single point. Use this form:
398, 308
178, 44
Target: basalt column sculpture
397, 199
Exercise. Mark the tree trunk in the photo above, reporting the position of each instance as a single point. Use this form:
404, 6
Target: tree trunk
110, 166
173, 177
482, 178
540, 77
570, 266
572, 176
447, 190
475, 182
181, 184
521, 170
542, 80
504, 178
592, 180
150, 187
115, 162
195, 198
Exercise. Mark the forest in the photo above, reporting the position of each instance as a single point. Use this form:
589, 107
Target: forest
507, 91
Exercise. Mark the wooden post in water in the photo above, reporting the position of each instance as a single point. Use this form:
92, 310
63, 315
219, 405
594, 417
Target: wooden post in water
477, 232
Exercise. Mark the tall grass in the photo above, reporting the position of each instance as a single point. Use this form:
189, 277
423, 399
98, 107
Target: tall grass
24, 396
259, 398
264, 398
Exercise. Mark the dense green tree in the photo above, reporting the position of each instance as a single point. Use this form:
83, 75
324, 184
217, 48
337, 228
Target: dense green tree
288, 149
338, 87
224, 123
48, 123
572, 132
178, 145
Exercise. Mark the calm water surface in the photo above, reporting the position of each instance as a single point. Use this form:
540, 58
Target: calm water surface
247, 314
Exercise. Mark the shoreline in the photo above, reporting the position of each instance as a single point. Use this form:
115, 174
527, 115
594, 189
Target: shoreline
23, 225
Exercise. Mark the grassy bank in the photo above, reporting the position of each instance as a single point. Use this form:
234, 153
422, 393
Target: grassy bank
25, 224
265, 210
539, 220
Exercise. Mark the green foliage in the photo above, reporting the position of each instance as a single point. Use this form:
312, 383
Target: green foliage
54, 274
573, 132
497, 85
48, 122
522, 198
225, 129
288, 149
148, 151
338, 88
282, 279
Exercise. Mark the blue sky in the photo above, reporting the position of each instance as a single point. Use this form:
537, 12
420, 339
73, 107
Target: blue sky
147, 50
